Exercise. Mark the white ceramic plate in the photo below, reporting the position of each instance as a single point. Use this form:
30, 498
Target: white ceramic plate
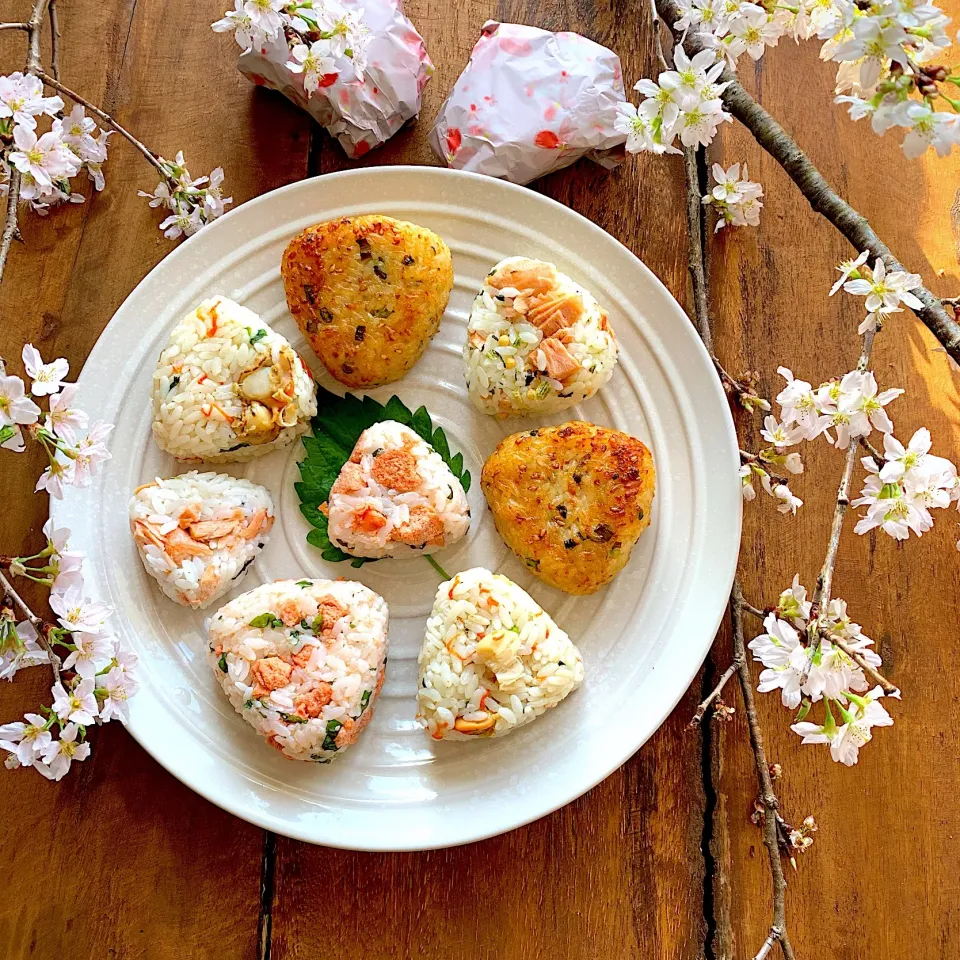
643, 637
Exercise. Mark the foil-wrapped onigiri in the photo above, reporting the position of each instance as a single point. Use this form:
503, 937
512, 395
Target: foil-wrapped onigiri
536, 341
302, 661
492, 659
198, 533
227, 387
395, 496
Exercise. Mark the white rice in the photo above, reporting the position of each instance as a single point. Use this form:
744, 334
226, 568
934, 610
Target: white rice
198, 533
505, 363
470, 689
199, 411
307, 681
433, 493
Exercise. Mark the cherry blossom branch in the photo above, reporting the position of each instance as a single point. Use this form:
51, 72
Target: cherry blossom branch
747, 457
752, 610
870, 448
878, 678
778, 928
104, 117
821, 595
714, 693
811, 183
38, 625
10, 227
740, 665
54, 40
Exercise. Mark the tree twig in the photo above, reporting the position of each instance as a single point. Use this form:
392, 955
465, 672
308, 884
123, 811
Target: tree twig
54, 40
888, 688
778, 929
871, 449
821, 595
14, 26
752, 610
38, 625
10, 227
715, 692
150, 156
811, 183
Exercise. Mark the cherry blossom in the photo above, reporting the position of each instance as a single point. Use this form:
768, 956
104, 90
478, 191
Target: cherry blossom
90, 653
25, 740
76, 613
849, 269
118, 686
684, 102
862, 715
15, 406
19, 648
314, 62
58, 474
788, 502
91, 451
900, 495
22, 100
59, 754
193, 203
736, 199
752, 31
63, 420
78, 704
45, 158
47, 377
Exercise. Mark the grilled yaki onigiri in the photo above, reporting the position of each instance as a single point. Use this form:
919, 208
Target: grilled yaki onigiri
198, 533
368, 293
302, 661
395, 497
227, 387
492, 659
571, 501
536, 341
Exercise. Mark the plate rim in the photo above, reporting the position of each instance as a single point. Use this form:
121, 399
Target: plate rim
300, 829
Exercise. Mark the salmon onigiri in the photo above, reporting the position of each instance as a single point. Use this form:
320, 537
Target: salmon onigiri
302, 661
395, 496
537, 342
198, 533
228, 387
492, 659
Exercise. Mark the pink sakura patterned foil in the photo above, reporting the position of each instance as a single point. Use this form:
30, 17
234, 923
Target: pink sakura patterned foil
530, 102
361, 114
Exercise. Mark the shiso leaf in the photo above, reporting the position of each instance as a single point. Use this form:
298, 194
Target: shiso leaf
336, 430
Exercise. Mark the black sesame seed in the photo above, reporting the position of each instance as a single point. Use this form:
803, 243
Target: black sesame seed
360, 333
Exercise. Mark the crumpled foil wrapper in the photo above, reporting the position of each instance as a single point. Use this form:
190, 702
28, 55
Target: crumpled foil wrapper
530, 102
360, 114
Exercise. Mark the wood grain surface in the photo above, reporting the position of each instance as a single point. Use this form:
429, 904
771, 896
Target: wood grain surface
660, 860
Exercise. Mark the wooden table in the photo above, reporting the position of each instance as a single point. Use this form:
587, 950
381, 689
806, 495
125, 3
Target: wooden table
120, 860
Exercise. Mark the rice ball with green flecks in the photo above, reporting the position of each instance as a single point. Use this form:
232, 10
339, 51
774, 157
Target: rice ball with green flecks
228, 387
492, 659
302, 661
537, 342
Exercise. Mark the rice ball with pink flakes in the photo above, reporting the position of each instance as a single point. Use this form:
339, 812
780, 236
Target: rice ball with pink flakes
395, 497
302, 661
